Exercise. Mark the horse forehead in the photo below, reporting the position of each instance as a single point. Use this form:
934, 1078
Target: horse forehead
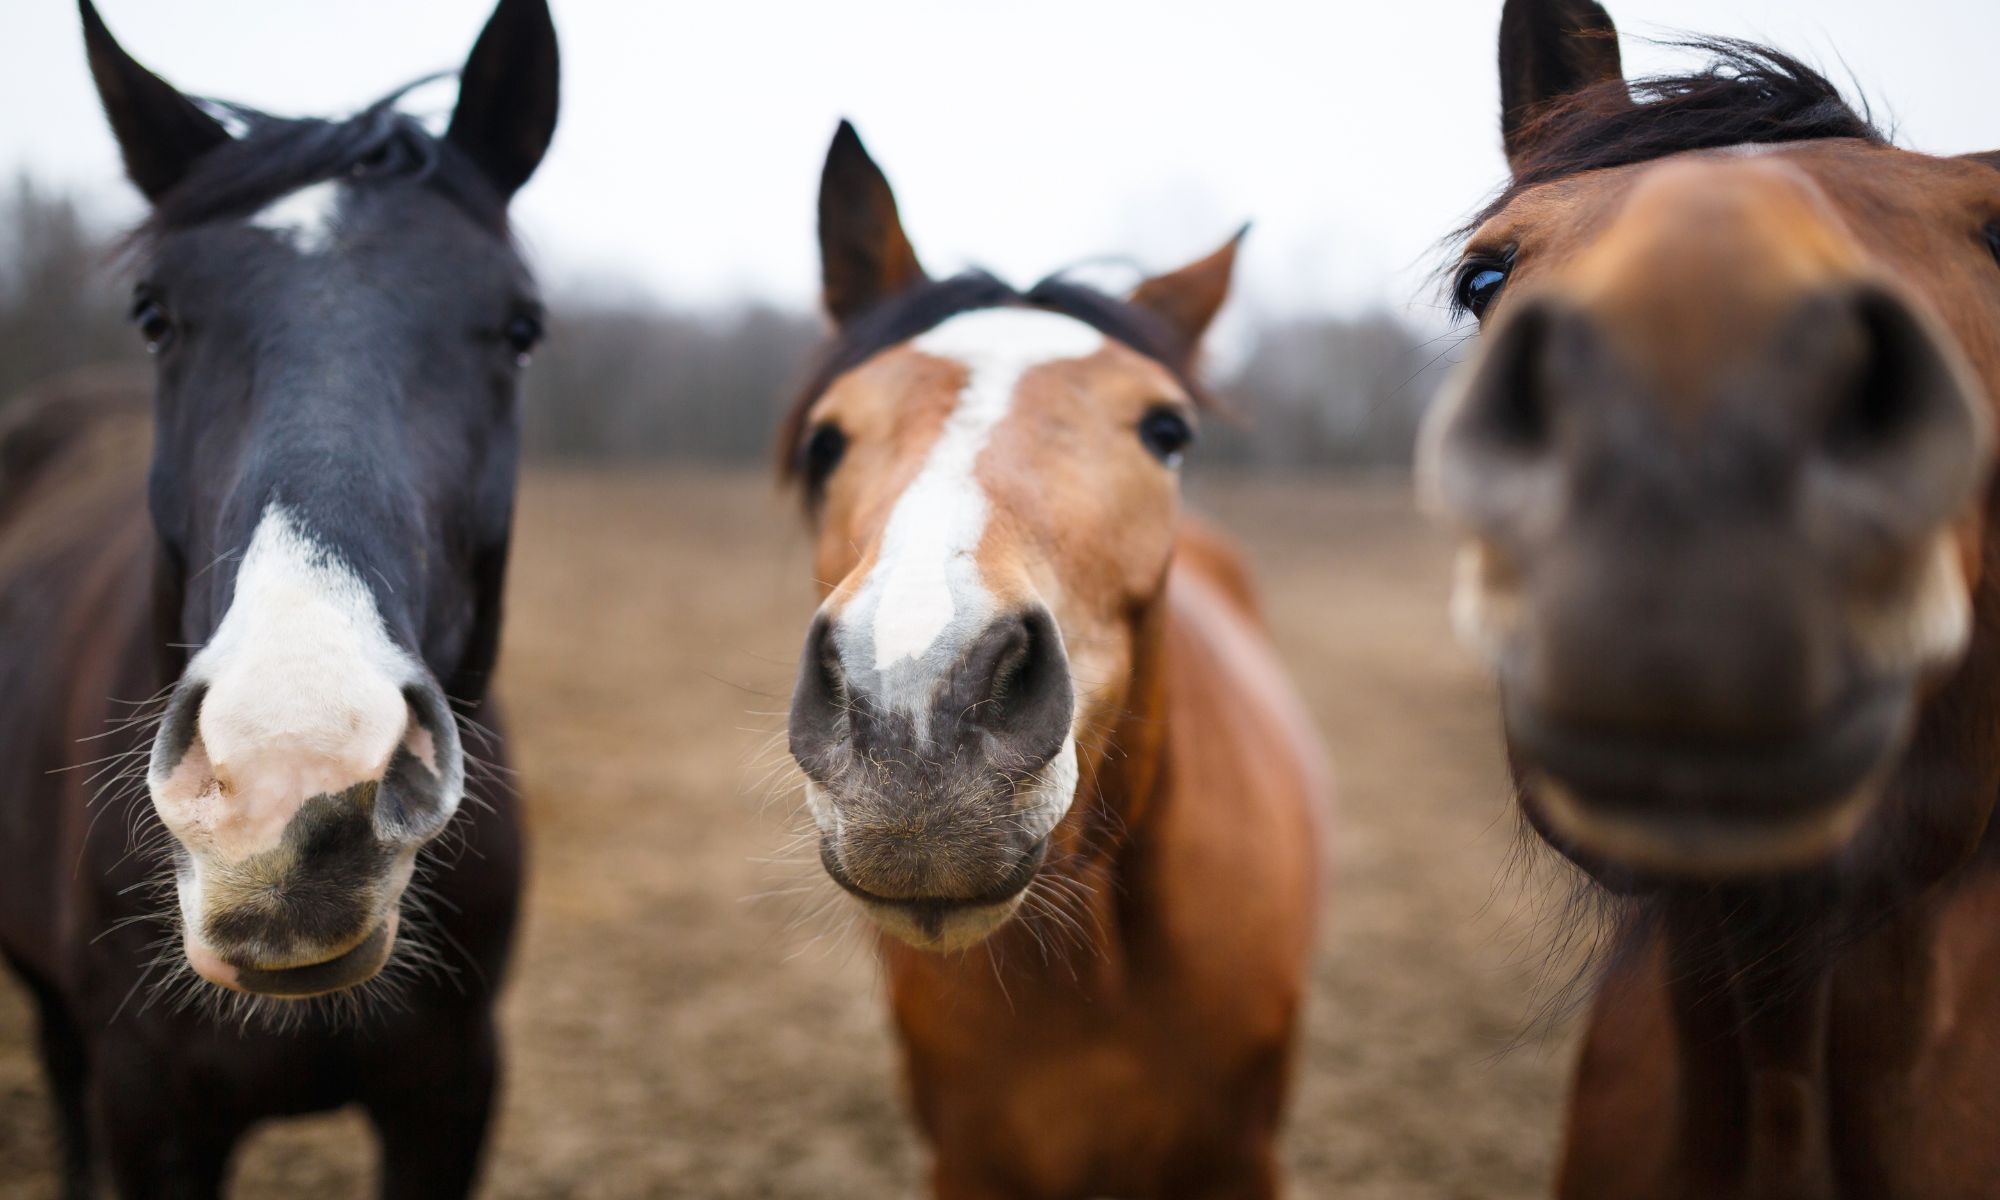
935, 521
1765, 222
946, 390
306, 217
1561, 219
993, 352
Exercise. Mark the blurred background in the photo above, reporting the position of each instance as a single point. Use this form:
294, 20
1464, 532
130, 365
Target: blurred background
684, 1019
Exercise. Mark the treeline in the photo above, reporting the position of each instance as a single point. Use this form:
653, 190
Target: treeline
635, 382
62, 298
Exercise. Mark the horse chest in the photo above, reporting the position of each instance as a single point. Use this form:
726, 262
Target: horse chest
1084, 1094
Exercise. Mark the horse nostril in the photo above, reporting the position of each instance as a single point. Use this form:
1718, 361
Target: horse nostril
1893, 420
820, 698
1018, 669
1500, 428
179, 726
1899, 380
1508, 410
1014, 683
425, 778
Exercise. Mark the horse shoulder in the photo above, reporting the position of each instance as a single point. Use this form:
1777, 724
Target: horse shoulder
1238, 720
1239, 829
74, 573
1202, 550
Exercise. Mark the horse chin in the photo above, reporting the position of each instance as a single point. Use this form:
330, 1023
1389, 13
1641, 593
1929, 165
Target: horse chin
1691, 847
1676, 812
350, 967
941, 924
941, 929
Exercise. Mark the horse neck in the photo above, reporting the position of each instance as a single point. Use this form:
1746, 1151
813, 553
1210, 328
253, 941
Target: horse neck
1788, 1031
1791, 1000
1072, 932
1123, 780
1753, 1111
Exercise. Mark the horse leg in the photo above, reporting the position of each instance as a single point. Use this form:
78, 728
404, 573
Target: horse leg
161, 1140
957, 1180
1252, 1175
64, 1058
67, 1065
431, 1110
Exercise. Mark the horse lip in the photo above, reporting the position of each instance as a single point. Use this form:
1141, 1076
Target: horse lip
1709, 809
355, 965
1754, 779
1013, 885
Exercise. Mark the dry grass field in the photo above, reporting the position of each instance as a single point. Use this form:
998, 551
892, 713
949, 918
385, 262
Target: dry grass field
677, 1030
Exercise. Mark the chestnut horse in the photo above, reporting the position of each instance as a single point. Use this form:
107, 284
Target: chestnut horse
1721, 468
304, 581
1047, 744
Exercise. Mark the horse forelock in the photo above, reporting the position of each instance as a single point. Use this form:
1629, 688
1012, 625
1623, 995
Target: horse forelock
268, 158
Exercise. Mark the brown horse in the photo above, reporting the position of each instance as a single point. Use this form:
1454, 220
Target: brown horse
1048, 746
1721, 468
260, 885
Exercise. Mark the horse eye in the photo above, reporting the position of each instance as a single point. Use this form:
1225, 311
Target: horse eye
1166, 433
523, 334
378, 161
821, 454
1479, 284
150, 316
1993, 239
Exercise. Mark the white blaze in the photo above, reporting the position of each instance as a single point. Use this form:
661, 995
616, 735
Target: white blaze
304, 696
925, 576
305, 217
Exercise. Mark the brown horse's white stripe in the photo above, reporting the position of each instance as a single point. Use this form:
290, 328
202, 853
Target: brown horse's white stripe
924, 596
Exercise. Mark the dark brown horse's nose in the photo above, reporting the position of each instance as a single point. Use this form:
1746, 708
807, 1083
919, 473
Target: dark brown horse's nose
1851, 411
1683, 548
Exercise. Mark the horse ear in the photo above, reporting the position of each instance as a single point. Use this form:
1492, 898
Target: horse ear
507, 94
1549, 49
160, 132
1189, 298
864, 255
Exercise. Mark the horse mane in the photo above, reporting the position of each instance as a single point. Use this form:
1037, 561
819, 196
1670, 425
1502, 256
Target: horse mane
39, 427
919, 309
1746, 94
269, 157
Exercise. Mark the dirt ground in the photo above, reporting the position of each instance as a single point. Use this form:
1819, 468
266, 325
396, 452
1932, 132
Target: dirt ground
676, 1029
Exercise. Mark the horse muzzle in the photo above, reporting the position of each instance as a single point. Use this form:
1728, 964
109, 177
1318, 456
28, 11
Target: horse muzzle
936, 784
1664, 807
317, 913
1712, 591
290, 898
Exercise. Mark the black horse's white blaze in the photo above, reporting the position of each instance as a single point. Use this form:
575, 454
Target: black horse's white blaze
307, 218
301, 697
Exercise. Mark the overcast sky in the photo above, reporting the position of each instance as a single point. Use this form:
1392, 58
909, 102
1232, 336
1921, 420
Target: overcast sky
1023, 136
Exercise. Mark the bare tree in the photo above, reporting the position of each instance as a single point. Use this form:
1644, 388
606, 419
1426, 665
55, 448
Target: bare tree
1327, 391
61, 305
630, 382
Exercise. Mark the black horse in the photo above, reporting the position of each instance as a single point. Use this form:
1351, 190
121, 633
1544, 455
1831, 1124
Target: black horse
266, 890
